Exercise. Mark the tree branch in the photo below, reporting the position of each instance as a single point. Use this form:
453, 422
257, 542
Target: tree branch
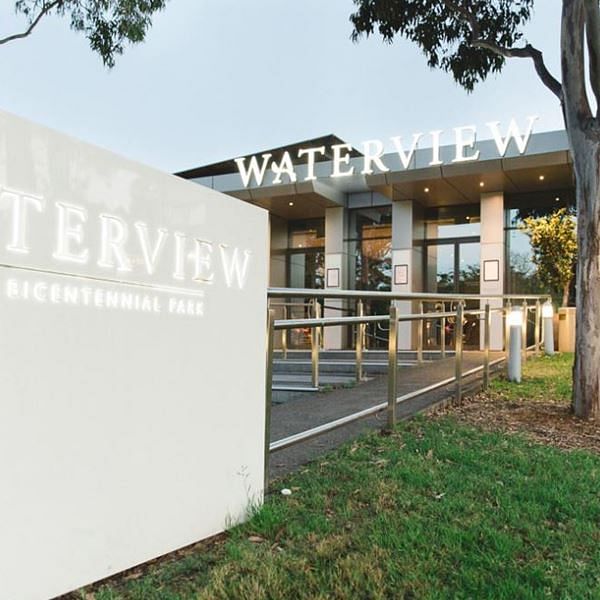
527, 51
592, 34
45, 10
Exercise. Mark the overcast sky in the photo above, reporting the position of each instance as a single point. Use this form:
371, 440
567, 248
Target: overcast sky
222, 78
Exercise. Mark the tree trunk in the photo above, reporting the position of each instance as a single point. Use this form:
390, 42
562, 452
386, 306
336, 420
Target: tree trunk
565, 299
586, 372
584, 138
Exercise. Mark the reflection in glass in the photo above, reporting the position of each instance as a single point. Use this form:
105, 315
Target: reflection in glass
445, 280
374, 261
306, 269
469, 268
456, 268
307, 234
370, 259
306, 239
521, 277
453, 222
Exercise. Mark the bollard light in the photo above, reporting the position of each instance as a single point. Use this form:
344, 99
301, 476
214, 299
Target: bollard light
515, 318
548, 324
547, 310
515, 324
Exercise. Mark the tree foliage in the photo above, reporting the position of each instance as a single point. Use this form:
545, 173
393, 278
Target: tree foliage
468, 38
107, 24
554, 243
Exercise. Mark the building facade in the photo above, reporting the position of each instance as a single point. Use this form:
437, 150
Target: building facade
439, 219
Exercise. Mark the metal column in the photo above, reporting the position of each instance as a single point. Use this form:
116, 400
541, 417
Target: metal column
268, 393
314, 347
458, 349
360, 329
420, 336
524, 331
487, 321
392, 367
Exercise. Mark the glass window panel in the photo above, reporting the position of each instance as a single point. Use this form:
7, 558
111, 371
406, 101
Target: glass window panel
306, 239
444, 260
469, 268
452, 221
307, 269
371, 239
370, 222
458, 230
307, 234
521, 273
374, 265
538, 204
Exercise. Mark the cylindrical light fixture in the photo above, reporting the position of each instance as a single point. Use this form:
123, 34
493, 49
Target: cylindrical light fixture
515, 325
547, 319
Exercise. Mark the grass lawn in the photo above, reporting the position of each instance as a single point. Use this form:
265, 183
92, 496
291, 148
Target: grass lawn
437, 509
546, 379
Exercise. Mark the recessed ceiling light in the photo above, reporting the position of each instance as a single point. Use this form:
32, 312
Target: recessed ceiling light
481, 184
291, 203
426, 190
542, 177
557, 199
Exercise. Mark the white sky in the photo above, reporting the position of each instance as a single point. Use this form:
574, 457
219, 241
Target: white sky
222, 78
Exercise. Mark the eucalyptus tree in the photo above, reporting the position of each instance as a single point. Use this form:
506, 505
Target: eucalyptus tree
107, 24
471, 39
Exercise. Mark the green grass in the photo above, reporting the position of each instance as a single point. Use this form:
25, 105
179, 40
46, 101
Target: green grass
435, 510
545, 379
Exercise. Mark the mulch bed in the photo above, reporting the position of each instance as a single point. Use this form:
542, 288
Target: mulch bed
547, 423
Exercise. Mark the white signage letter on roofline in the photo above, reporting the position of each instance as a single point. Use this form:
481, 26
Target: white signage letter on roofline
285, 167
253, 169
69, 233
373, 151
338, 160
463, 144
18, 239
311, 154
513, 132
150, 254
406, 158
435, 148
114, 236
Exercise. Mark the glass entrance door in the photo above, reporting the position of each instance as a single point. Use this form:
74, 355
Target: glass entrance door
306, 269
453, 268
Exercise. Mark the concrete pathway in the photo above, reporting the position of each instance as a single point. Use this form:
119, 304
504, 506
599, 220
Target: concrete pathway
296, 412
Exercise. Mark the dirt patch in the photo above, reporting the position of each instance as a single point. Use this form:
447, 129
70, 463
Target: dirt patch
548, 423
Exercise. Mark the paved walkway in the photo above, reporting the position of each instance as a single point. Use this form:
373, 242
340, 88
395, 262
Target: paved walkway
302, 411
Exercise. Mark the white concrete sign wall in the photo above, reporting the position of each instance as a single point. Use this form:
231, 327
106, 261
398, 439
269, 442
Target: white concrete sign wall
132, 331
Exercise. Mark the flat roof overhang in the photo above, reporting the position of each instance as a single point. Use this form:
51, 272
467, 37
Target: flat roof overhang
464, 183
304, 200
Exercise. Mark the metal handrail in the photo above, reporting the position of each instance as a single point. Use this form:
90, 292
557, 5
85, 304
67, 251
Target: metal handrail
292, 304
365, 294
317, 324
332, 321
308, 434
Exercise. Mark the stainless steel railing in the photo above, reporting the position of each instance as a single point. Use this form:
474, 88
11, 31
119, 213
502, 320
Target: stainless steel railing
317, 323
